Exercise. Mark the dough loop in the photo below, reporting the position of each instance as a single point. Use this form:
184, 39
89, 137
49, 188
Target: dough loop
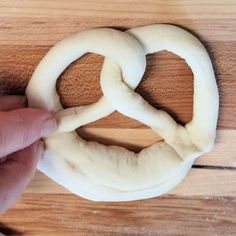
111, 173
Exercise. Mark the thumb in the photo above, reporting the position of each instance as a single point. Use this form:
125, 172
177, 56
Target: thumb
20, 128
16, 172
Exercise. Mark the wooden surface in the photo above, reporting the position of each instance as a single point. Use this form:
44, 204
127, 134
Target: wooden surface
205, 202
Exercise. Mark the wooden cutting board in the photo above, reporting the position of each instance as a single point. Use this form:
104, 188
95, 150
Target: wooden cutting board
205, 202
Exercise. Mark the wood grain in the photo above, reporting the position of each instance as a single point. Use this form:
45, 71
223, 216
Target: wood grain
205, 202
59, 214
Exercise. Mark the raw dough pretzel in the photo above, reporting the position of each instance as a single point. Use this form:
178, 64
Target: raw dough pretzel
102, 173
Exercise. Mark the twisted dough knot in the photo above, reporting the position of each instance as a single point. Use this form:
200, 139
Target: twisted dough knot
102, 173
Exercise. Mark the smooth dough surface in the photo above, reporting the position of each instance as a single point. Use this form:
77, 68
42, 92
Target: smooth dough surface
110, 173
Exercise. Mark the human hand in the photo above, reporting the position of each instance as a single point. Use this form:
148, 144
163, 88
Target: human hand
20, 148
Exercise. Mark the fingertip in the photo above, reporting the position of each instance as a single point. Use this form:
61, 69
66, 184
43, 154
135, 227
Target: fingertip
45, 121
48, 127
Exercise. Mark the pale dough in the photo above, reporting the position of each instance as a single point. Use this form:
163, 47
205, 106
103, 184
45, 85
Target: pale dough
110, 173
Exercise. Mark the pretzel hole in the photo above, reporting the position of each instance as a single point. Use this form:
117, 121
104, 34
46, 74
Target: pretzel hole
167, 85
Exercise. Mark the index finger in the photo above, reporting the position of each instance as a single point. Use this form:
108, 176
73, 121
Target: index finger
20, 128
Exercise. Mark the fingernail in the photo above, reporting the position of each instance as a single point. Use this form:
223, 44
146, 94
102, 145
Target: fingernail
40, 149
49, 126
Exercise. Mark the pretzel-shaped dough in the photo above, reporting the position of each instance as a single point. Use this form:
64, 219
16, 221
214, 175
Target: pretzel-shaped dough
102, 173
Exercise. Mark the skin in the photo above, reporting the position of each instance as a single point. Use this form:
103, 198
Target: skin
21, 129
